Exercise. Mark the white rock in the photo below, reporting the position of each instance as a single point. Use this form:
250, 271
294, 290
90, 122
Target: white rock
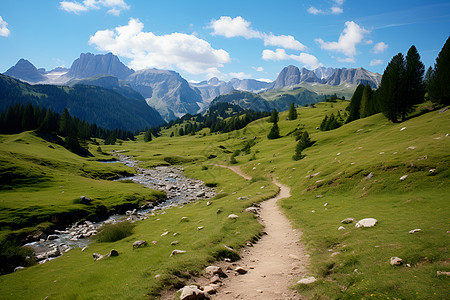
191, 292
396, 261
313, 211
200, 227
165, 233
175, 252
403, 128
403, 177
233, 216
415, 230
368, 222
341, 228
348, 220
208, 203
252, 209
214, 270
307, 280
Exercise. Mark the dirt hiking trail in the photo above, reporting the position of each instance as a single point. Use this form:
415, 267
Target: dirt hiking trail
274, 263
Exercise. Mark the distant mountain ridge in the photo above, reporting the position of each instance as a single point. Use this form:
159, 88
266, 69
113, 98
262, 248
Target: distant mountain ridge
169, 93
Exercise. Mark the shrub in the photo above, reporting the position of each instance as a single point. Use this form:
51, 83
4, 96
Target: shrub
114, 232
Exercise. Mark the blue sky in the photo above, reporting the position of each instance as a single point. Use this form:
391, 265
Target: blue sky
204, 38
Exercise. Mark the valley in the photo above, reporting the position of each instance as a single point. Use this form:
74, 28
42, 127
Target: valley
331, 183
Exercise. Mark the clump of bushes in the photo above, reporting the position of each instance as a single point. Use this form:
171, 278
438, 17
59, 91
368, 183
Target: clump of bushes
114, 232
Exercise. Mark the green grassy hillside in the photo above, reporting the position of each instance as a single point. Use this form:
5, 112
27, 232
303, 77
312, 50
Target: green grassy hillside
334, 172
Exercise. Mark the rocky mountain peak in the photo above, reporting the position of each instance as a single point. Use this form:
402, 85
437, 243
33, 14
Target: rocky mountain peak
24, 70
88, 65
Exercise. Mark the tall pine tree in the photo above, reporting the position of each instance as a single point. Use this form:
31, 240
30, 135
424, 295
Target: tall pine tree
392, 88
439, 84
366, 102
355, 104
274, 116
292, 115
413, 81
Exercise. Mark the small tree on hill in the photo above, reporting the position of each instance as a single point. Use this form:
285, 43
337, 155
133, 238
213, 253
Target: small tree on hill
439, 83
274, 132
292, 115
274, 116
302, 144
148, 136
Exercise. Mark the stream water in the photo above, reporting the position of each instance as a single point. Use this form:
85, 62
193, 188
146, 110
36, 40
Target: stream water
179, 189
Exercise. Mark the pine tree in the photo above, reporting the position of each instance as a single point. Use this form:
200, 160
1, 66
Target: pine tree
274, 116
65, 123
302, 144
148, 136
355, 104
274, 132
366, 100
413, 81
292, 115
392, 88
181, 132
323, 125
439, 85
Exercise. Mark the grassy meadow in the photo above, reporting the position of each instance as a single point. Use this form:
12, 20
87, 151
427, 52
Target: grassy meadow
334, 172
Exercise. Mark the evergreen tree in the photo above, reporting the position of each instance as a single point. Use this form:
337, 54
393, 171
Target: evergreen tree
428, 75
148, 136
181, 132
392, 88
171, 134
413, 81
302, 144
355, 104
274, 132
274, 116
65, 123
324, 123
292, 115
439, 84
28, 118
366, 100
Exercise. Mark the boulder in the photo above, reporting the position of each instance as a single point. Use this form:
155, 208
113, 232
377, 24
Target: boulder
252, 209
113, 253
165, 233
438, 273
243, 198
208, 203
191, 292
175, 252
52, 237
214, 270
368, 222
341, 228
18, 268
200, 227
348, 220
396, 261
200, 194
85, 200
415, 230
403, 177
307, 280
241, 270
97, 256
233, 216
53, 253
215, 279
174, 243
139, 244
210, 289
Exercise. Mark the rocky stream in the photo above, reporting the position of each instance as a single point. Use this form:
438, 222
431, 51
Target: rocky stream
170, 179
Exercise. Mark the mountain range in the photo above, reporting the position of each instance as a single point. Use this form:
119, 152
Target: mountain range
172, 95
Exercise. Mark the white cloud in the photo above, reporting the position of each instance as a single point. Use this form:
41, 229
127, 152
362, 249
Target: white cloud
280, 54
352, 35
258, 69
335, 9
376, 62
347, 59
379, 48
314, 11
145, 49
114, 6
4, 31
234, 27
240, 75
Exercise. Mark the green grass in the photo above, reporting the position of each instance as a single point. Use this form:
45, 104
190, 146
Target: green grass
110, 233
420, 201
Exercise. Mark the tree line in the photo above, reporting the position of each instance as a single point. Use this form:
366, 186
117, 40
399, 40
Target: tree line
19, 118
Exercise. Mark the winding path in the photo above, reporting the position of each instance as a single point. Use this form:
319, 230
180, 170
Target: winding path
275, 262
